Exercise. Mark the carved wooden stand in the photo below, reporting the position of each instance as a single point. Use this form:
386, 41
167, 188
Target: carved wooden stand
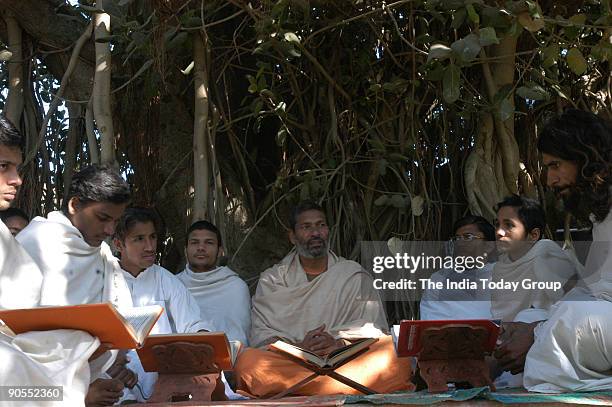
454, 354
186, 373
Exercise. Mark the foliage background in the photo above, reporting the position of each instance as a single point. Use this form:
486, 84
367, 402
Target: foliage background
399, 117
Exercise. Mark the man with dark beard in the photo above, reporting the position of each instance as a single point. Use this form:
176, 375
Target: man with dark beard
571, 350
317, 301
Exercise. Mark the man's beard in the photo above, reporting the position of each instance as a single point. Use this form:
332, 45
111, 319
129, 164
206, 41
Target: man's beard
576, 201
314, 253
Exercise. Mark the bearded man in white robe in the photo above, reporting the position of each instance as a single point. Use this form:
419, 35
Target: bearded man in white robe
572, 349
320, 302
77, 265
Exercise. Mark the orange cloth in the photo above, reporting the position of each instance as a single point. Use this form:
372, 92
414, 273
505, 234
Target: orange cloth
261, 373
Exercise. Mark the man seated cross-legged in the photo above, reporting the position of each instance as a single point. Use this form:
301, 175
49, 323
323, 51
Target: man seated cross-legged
318, 301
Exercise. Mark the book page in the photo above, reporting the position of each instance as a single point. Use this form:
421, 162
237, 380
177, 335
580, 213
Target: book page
141, 319
299, 352
343, 353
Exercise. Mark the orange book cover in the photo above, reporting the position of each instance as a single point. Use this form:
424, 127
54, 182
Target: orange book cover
100, 320
409, 340
217, 340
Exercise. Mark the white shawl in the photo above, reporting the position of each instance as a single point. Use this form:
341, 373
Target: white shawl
223, 298
48, 358
287, 305
546, 262
74, 272
20, 278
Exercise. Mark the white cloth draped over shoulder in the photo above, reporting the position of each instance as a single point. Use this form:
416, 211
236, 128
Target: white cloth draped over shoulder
287, 305
20, 278
572, 350
224, 297
73, 271
49, 358
546, 261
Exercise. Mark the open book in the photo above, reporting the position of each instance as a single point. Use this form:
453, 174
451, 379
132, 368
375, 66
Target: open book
331, 360
124, 329
218, 340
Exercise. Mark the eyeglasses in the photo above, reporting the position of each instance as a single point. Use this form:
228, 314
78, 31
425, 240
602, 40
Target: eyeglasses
310, 227
468, 237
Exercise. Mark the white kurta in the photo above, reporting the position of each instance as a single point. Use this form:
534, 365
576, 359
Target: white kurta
572, 350
458, 304
157, 286
224, 297
20, 278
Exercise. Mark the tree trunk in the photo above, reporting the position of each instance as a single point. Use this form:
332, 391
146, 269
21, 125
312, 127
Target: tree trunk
201, 161
102, 85
14, 104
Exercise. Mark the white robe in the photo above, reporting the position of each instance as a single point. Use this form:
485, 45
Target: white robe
74, 272
48, 358
458, 304
157, 286
224, 297
20, 278
572, 350
545, 262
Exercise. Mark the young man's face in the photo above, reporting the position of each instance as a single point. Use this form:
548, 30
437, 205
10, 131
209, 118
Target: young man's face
202, 250
561, 174
10, 160
511, 233
95, 220
311, 234
15, 224
139, 247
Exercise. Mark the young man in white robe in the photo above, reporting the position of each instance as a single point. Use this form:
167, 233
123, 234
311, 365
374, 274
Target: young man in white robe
572, 349
49, 358
150, 284
212, 285
77, 265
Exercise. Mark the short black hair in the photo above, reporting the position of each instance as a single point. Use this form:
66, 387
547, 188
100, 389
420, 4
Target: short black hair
530, 212
481, 223
585, 139
12, 213
132, 216
300, 208
9, 135
98, 183
204, 225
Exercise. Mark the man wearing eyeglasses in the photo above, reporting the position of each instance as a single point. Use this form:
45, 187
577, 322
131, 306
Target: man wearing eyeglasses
318, 301
473, 236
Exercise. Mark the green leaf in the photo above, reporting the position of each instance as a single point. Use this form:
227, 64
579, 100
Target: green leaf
5, 55
450, 83
451, 4
382, 166
534, 92
398, 201
291, 37
416, 205
576, 61
459, 18
488, 36
435, 74
531, 24
550, 55
381, 200
472, 14
506, 110
467, 48
439, 51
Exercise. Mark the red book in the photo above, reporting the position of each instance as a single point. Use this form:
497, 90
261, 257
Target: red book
408, 335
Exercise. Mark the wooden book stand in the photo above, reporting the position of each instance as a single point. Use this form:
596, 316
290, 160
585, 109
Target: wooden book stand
454, 354
186, 373
324, 371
